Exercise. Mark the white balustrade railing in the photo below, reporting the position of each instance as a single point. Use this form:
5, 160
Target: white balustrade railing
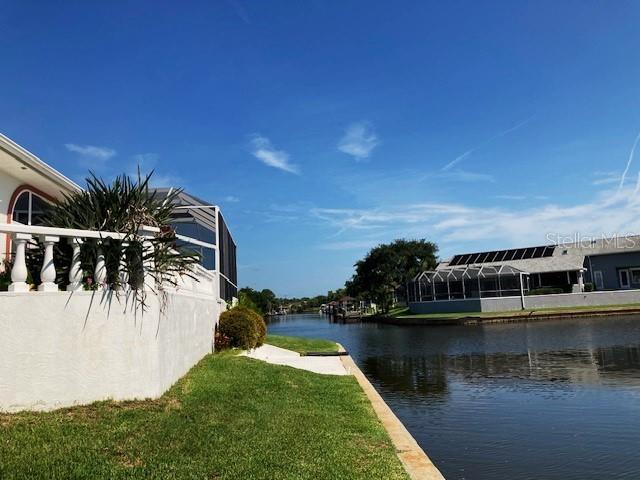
49, 236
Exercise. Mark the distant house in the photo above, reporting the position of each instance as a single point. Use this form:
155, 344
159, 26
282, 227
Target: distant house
609, 264
347, 303
198, 219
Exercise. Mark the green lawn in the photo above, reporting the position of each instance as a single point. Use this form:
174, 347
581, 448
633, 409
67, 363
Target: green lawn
229, 418
302, 345
404, 313
394, 312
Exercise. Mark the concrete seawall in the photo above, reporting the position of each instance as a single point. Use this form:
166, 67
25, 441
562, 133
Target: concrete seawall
503, 318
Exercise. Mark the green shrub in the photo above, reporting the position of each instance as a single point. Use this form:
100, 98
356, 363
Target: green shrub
589, 287
5, 275
221, 342
261, 326
546, 291
240, 327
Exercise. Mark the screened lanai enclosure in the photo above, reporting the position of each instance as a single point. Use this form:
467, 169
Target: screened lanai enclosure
458, 283
197, 219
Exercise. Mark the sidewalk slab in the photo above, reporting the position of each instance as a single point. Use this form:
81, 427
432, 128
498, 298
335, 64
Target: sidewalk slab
281, 356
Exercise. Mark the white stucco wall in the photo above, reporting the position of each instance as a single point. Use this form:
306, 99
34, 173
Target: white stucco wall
613, 297
60, 349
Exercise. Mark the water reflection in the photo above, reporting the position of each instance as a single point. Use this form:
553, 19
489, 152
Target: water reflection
427, 374
409, 375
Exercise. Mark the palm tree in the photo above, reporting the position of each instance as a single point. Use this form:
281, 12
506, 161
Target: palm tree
124, 206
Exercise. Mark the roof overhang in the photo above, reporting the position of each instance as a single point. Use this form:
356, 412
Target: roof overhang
23, 165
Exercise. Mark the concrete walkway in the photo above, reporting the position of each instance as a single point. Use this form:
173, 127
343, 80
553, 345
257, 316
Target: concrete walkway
280, 356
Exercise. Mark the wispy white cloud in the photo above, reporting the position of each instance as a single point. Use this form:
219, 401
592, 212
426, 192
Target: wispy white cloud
145, 163
611, 212
146, 158
465, 176
231, 199
359, 140
520, 197
457, 175
468, 153
89, 155
605, 178
267, 154
510, 197
349, 245
457, 160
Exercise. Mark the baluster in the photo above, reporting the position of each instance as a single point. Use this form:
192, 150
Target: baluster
75, 270
148, 265
19, 271
123, 271
48, 272
100, 275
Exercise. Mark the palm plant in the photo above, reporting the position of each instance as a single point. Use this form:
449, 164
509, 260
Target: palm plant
123, 206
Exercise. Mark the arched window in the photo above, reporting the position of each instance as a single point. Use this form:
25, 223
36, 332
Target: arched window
29, 209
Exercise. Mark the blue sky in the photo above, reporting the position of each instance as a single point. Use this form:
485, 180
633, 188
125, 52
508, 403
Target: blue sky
323, 128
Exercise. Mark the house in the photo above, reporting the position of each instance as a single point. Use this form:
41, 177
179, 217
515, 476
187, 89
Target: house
347, 303
610, 263
27, 184
604, 265
80, 345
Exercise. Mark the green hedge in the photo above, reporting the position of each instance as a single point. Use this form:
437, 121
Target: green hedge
241, 327
546, 291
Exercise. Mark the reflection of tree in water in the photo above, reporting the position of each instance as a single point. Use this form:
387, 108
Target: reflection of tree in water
424, 375
619, 358
429, 375
579, 366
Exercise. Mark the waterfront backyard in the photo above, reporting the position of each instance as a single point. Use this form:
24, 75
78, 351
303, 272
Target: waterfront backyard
556, 399
230, 417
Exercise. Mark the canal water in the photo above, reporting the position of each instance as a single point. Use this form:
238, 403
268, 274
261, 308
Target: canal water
540, 400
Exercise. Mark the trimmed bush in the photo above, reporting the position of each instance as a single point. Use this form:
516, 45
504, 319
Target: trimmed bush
588, 287
546, 291
261, 327
240, 327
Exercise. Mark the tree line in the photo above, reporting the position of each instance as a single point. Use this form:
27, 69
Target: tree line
381, 277
265, 301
